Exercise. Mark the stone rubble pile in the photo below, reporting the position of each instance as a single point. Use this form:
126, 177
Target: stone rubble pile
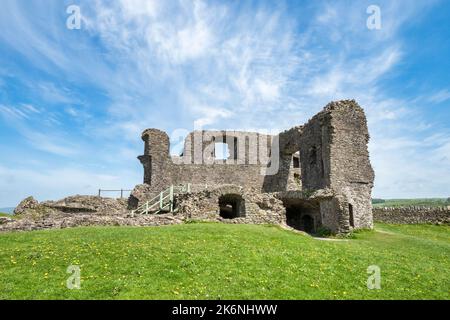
62, 221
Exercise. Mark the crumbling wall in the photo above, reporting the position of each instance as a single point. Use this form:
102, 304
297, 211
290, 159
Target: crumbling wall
250, 148
287, 177
351, 174
258, 207
71, 205
249, 152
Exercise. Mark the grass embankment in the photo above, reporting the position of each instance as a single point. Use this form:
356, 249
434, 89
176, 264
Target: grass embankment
393, 203
220, 261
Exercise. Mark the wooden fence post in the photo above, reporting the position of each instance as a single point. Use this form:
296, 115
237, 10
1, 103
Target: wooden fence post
171, 198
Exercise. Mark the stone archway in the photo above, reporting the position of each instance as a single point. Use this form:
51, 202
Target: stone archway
302, 214
231, 206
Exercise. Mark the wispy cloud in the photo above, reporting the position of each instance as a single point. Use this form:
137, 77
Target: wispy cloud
23, 119
235, 65
440, 96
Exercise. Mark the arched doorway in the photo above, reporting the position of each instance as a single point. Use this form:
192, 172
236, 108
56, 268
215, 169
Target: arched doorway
231, 206
302, 215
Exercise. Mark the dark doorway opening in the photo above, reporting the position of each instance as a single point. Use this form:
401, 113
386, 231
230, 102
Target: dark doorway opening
301, 215
296, 161
308, 223
351, 215
231, 206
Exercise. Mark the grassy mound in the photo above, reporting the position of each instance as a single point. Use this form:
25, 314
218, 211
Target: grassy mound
220, 261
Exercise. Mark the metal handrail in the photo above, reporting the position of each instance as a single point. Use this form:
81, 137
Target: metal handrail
160, 199
105, 190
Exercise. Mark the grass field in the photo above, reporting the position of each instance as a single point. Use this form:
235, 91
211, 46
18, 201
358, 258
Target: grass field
5, 215
431, 202
221, 261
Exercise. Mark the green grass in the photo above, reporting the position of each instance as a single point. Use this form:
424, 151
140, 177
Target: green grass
11, 216
431, 202
222, 261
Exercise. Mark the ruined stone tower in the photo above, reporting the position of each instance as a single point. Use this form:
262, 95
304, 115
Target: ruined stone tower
316, 176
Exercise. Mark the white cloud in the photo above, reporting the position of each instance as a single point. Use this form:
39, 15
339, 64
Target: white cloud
169, 64
12, 113
23, 118
210, 116
54, 94
440, 96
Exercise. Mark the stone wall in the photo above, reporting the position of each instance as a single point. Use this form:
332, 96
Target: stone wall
285, 148
351, 174
255, 207
243, 147
412, 215
330, 150
249, 154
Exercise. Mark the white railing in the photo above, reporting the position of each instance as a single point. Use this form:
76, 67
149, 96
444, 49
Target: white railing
162, 202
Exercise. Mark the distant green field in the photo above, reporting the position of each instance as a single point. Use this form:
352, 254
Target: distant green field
431, 202
5, 215
225, 261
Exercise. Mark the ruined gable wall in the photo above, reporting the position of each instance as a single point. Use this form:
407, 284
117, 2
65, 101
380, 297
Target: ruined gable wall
351, 174
161, 170
334, 154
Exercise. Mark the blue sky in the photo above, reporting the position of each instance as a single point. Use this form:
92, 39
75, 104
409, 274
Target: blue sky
74, 102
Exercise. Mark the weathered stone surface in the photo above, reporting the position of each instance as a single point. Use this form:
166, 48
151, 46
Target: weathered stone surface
62, 220
5, 220
86, 204
26, 204
140, 194
74, 204
251, 207
412, 215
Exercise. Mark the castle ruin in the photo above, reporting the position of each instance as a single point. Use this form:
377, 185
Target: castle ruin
309, 177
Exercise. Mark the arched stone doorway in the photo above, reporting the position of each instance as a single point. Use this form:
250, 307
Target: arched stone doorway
302, 215
231, 206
